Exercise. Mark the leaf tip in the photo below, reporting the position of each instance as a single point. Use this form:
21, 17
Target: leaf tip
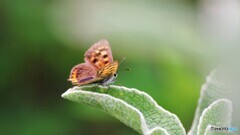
66, 93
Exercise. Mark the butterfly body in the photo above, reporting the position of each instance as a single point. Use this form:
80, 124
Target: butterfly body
99, 66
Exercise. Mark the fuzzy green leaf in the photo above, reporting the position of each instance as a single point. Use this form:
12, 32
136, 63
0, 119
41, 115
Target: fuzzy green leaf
218, 114
134, 108
215, 88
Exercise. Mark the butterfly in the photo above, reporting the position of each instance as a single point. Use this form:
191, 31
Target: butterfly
99, 66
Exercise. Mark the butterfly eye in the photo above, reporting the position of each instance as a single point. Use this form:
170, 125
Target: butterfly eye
115, 75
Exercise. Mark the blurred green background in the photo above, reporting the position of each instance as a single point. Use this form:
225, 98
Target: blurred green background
41, 40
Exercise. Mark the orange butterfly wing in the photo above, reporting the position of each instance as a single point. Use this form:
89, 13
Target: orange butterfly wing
83, 74
99, 55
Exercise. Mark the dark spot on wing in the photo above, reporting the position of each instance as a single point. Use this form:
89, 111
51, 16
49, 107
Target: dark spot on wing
94, 60
105, 56
97, 54
88, 56
85, 79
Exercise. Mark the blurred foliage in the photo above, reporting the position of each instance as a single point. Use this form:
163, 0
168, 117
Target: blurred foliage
39, 48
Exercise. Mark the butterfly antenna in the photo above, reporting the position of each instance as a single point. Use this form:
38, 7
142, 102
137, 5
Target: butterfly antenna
125, 69
121, 61
128, 69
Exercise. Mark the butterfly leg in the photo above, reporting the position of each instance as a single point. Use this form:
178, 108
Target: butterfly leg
108, 87
94, 88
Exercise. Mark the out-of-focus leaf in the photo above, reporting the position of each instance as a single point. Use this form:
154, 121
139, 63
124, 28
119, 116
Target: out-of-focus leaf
215, 88
218, 114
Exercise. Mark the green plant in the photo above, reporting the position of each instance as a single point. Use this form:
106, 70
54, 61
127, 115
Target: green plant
139, 111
